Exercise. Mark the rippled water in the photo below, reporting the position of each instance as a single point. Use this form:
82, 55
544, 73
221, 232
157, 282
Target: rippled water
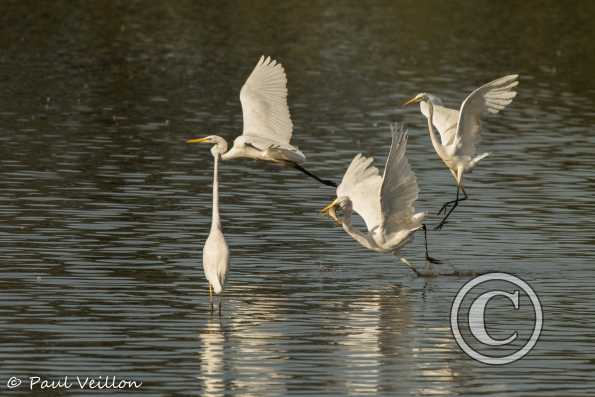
104, 209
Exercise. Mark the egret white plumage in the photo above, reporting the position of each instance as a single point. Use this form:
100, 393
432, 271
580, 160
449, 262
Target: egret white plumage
460, 130
267, 123
386, 203
215, 254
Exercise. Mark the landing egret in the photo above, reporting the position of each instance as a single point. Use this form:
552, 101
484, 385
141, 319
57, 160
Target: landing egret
459, 130
215, 254
386, 203
267, 122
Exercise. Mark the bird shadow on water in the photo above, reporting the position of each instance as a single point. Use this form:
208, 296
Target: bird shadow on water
429, 272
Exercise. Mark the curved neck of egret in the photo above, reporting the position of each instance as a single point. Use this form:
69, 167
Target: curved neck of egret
216, 222
221, 145
358, 236
433, 136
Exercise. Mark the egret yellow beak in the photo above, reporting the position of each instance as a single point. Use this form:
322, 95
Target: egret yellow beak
413, 100
330, 206
197, 140
329, 210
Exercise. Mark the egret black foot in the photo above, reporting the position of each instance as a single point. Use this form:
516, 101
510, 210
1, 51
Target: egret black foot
433, 260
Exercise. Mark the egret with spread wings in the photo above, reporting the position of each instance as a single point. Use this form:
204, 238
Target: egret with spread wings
460, 130
215, 254
385, 203
267, 122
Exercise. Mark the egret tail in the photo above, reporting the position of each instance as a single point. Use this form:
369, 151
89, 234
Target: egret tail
216, 284
478, 158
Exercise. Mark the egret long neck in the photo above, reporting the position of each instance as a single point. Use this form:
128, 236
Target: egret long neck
433, 135
216, 222
358, 236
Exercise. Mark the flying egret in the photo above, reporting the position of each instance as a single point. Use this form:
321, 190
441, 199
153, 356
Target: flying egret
385, 203
459, 130
267, 122
215, 254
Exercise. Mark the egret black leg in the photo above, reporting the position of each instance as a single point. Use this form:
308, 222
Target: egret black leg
411, 267
211, 297
311, 175
454, 203
445, 206
428, 257
414, 270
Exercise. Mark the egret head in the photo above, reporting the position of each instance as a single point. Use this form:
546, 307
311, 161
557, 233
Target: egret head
417, 99
220, 145
331, 210
424, 97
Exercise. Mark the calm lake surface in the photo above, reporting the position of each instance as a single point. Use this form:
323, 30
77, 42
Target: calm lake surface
104, 208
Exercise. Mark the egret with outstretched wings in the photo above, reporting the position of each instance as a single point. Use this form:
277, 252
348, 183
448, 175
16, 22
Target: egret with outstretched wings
459, 131
386, 203
267, 123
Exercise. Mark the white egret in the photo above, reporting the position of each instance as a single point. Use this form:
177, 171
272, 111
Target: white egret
386, 203
215, 254
267, 122
459, 130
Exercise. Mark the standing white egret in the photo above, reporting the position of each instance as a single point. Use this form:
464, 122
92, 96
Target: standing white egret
386, 203
215, 254
459, 130
267, 122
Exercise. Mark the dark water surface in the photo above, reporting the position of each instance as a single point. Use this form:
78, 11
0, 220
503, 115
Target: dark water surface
104, 209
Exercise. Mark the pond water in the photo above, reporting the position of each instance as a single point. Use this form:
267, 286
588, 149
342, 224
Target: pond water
104, 208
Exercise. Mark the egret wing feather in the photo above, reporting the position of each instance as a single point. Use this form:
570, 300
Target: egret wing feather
262, 143
489, 98
444, 120
399, 189
264, 102
361, 183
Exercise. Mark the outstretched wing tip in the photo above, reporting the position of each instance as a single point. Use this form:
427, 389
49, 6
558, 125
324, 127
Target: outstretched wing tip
266, 60
399, 134
399, 190
505, 79
264, 102
491, 98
